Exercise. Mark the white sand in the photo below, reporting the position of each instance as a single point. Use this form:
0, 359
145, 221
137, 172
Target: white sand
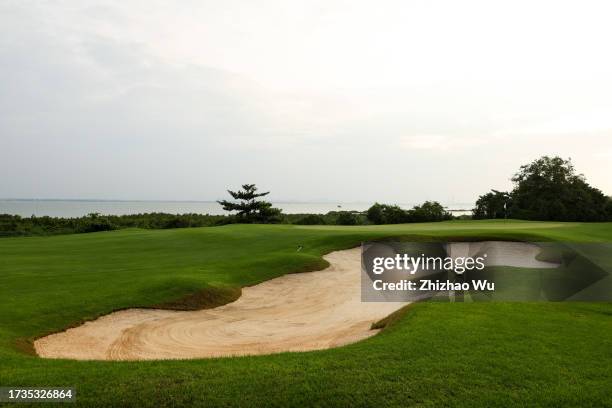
296, 312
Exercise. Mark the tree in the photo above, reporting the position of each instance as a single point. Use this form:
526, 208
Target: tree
429, 211
375, 214
547, 189
347, 218
550, 189
248, 208
393, 214
495, 204
386, 214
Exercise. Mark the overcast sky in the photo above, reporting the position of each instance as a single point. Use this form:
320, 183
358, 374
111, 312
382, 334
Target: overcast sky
393, 101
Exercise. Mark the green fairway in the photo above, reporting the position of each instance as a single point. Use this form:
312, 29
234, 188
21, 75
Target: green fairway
474, 354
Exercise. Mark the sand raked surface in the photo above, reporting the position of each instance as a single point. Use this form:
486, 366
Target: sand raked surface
295, 312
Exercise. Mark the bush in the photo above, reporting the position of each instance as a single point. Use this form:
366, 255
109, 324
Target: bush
375, 214
94, 223
311, 219
387, 214
14, 225
176, 222
429, 211
393, 214
347, 218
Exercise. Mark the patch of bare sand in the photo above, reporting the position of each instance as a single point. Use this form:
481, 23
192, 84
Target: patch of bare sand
296, 312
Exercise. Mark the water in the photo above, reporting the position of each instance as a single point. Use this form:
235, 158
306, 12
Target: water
78, 208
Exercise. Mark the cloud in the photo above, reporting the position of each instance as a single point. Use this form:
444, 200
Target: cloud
318, 100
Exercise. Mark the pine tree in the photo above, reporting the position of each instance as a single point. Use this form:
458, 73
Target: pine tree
248, 208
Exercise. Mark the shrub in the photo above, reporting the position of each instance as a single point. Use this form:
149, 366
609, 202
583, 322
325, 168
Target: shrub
95, 223
429, 211
311, 219
346, 218
375, 214
393, 214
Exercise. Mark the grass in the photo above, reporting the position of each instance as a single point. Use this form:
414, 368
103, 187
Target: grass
433, 354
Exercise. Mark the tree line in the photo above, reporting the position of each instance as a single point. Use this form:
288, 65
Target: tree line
249, 208
547, 189
246, 207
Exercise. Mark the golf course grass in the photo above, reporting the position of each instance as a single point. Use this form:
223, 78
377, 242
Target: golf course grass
451, 354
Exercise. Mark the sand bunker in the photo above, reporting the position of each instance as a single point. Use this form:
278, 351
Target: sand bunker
517, 254
296, 312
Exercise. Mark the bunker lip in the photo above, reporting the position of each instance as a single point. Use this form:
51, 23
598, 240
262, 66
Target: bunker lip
295, 312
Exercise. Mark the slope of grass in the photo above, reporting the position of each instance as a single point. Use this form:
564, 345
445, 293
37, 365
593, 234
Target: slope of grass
435, 354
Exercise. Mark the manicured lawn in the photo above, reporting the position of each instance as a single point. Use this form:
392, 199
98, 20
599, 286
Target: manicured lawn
474, 354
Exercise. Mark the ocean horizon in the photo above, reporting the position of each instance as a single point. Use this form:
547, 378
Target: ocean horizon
79, 207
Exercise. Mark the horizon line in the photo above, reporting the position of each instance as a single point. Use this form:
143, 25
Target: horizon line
215, 200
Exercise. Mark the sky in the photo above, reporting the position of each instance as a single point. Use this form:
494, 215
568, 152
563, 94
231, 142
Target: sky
353, 101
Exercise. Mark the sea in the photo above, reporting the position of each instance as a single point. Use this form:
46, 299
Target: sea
79, 208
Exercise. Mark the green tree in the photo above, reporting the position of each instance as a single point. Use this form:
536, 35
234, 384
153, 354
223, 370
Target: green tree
375, 214
386, 214
550, 189
248, 208
347, 218
429, 211
393, 214
495, 204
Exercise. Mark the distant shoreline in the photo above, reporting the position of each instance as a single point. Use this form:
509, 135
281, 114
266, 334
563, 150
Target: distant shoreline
70, 208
